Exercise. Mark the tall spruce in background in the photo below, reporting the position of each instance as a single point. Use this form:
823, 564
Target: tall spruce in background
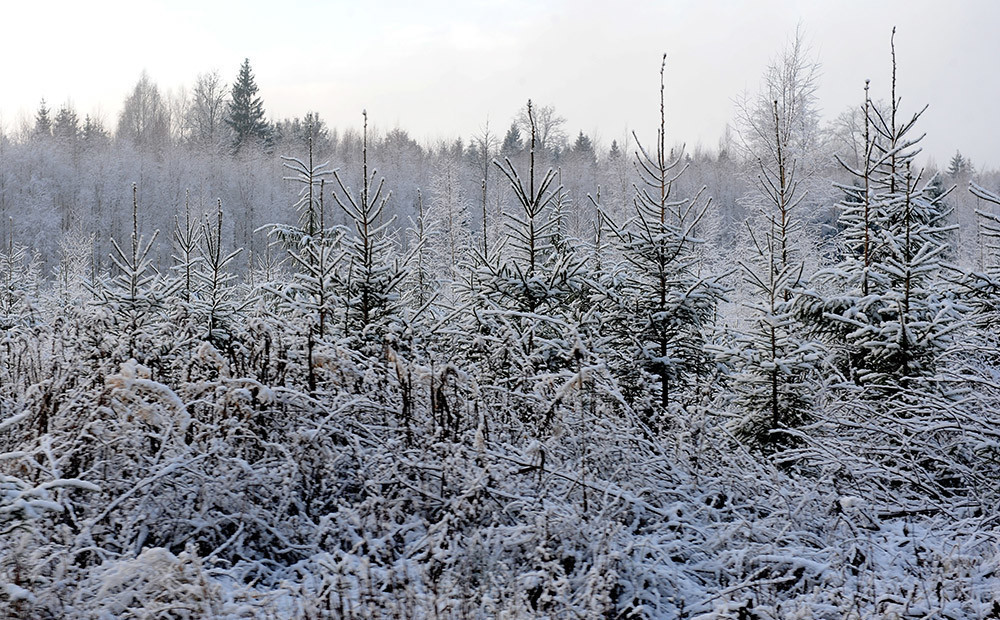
67, 125
43, 120
246, 111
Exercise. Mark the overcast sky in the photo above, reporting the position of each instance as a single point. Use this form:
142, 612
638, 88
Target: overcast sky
441, 69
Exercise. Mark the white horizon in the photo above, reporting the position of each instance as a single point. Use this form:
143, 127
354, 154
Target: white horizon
441, 72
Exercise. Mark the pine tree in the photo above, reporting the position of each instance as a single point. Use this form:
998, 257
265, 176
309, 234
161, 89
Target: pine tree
246, 111
309, 175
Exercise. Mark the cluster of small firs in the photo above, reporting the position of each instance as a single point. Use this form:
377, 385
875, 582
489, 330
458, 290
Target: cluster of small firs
612, 407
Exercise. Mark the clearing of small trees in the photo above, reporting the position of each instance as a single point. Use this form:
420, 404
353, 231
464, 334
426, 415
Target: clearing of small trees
544, 397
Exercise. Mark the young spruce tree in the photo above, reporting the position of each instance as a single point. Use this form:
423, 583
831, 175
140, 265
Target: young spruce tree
884, 306
669, 305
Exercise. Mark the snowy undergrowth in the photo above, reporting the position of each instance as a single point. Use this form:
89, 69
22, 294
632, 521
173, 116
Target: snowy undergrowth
216, 496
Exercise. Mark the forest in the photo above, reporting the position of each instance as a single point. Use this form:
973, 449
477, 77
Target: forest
275, 369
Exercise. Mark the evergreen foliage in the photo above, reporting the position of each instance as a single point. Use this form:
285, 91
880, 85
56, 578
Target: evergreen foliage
246, 111
132, 294
67, 125
43, 121
566, 419
671, 304
884, 305
374, 270
776, 365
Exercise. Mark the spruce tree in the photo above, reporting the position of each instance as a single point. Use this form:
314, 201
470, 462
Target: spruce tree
512, 143
959, 165
537, 275
669, 304
774, 362
315, 251
246, 111
374, 273
43, 120
67, 124
213, 305
133, 294
883, 305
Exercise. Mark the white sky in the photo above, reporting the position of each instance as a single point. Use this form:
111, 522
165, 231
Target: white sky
440, 69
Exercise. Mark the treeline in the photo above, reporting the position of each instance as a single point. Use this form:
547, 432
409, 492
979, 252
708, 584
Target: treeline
505, 377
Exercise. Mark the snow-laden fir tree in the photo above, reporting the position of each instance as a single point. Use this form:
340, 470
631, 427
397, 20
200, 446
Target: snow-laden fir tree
67, 125
533, 275
374, 271
774, 363
883, 305
669, 305
186, 238
422, 283
214, 304
521, 298
43, 121
311, 297
133, 294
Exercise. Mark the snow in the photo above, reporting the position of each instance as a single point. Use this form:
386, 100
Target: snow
363, 421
